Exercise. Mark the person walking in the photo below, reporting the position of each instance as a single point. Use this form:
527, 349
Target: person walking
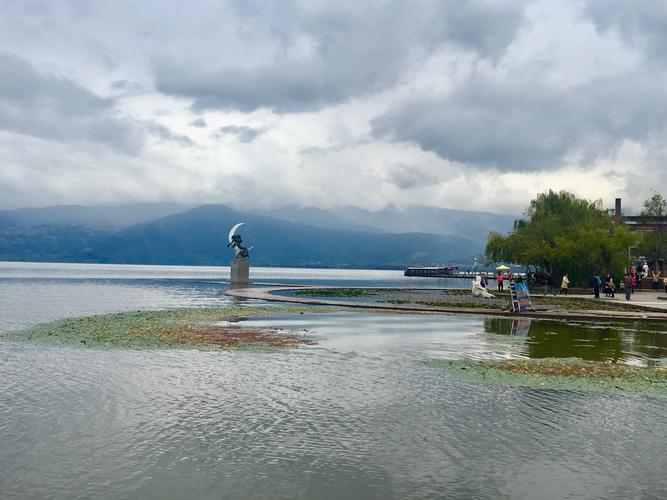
499, 280
564, 284
596, 285
656, 280
628, 286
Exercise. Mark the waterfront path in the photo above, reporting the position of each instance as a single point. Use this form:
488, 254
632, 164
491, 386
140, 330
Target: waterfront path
268, 293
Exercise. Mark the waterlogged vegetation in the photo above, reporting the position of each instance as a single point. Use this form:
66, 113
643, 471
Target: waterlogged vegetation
463, 298
338, 292
200, 328
569, 374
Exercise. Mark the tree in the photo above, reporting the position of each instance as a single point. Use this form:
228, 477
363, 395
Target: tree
654, 243
656, 205
565, 234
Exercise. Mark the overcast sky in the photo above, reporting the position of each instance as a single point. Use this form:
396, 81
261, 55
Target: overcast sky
475, 104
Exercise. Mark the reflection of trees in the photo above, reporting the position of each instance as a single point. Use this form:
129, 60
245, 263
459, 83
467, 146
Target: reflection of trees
559, 339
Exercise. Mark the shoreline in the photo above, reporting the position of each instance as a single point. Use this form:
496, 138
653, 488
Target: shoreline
268, 293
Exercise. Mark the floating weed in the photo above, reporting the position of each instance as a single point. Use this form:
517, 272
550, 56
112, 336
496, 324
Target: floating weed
172, 328
564, 374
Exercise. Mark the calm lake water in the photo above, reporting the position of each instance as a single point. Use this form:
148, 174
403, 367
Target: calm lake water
355, 416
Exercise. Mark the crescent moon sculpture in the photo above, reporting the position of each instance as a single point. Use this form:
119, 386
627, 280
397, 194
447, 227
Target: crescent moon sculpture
239, 268
233, 230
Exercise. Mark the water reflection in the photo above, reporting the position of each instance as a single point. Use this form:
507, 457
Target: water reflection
635, 343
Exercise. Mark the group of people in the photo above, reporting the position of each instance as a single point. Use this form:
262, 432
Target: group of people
500, 280
632, 281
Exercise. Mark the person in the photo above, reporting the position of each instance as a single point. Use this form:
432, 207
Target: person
656, 280
596, 285
628, 286
484, 281
612, 286
548, 280
499, 279
565, 284
607, 289
645, 270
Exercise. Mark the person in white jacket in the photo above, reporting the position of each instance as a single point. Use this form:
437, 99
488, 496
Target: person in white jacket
565, 284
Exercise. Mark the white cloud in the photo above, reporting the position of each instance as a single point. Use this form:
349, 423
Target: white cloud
464, 104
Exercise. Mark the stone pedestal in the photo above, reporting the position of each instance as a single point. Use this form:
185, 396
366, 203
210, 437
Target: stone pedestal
240, 272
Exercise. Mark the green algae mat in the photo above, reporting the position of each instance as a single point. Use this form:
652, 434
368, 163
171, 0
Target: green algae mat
196, 328
563, 374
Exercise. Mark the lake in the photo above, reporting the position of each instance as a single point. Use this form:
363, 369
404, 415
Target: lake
357, 415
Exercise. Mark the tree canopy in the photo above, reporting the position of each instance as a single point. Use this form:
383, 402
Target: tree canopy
564, 234
654, 244
656, 205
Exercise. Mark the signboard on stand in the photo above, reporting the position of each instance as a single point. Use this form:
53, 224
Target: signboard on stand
520, 298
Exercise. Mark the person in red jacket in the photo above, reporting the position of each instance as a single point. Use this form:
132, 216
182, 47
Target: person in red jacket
499, 279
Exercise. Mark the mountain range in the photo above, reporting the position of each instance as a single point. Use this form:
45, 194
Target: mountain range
162, 233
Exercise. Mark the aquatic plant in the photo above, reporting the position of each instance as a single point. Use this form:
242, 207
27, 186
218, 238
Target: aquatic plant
338, 292
563, 374
171, 328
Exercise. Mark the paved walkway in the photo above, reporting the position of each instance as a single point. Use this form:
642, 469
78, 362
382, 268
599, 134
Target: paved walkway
267, 293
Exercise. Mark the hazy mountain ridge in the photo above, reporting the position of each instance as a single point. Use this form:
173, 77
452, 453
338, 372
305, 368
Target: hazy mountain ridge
104, 217
198, 236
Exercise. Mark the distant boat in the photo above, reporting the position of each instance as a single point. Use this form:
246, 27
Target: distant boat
430, 271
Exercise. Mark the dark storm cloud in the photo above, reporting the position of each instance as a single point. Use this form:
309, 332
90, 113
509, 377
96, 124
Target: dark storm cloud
642, 25
528, 125
326, 54
49, 107
242, 133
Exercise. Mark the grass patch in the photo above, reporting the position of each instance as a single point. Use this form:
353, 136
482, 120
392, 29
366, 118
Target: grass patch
563, 374
461, 304
172, 328
579, 304
338, 292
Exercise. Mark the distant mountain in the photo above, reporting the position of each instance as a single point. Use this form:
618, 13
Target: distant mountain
199, 236
51, 243
289, 236
423, 219
98, 217
317, 217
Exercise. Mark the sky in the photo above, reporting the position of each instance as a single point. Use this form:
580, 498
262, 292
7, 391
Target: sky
467, 104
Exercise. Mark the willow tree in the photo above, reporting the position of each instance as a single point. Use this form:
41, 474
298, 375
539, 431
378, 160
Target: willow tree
564, 234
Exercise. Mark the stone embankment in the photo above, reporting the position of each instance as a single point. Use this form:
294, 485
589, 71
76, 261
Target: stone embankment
652, 310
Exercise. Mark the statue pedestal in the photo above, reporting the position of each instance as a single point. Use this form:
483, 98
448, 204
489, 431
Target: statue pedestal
240, 272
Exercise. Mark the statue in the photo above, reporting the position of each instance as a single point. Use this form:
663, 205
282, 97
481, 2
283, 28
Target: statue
236, 244
240, 269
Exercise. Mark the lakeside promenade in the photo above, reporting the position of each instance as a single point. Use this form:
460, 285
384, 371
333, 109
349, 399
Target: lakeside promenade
655, 308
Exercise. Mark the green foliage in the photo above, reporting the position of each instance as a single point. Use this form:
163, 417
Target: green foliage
656, 205
654, 245
565, 234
